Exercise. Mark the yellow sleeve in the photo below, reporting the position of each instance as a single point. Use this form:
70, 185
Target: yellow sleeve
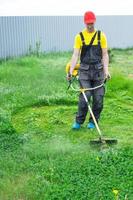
103, 41
77, 42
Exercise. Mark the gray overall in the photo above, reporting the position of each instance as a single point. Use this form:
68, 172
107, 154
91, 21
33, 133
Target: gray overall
90, 75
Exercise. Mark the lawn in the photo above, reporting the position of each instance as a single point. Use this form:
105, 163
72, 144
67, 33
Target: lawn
42, 158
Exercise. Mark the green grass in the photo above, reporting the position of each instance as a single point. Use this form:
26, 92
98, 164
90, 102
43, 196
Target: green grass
41, 157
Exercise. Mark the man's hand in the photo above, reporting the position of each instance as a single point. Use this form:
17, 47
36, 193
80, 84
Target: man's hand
107, 75
69, 76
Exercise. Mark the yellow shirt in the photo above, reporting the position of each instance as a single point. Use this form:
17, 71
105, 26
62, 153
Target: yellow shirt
87, 38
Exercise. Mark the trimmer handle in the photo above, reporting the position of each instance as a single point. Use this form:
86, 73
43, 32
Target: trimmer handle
105, 80
70, 82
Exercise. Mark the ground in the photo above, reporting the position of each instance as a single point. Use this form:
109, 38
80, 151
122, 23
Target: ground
41, 156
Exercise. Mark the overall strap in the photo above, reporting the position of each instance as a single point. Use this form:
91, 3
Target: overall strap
82, 38
99, 37
93, 38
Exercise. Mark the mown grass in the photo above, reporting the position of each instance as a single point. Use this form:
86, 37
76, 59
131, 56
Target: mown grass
41, 157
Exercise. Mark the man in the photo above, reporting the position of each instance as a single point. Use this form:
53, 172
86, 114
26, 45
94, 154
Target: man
91, 46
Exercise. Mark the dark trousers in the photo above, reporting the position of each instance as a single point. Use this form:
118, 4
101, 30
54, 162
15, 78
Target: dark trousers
97, 100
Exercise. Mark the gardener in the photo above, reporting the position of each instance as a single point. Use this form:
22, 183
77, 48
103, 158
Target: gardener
91, 46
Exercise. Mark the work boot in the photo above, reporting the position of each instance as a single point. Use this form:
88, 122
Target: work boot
91, 125
76, 126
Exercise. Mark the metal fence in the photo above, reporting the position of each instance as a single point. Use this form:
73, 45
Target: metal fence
21, 33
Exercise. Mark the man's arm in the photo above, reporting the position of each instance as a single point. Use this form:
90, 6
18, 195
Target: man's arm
74, 61
105, 61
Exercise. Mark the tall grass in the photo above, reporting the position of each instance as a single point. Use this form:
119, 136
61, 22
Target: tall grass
31, 80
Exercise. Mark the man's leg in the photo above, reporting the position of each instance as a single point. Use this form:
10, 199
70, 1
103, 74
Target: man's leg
98, 97
82, 106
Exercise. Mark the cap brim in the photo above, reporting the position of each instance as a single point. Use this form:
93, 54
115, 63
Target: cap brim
90, 22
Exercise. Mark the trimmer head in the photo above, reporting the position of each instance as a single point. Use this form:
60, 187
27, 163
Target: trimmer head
102, 141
